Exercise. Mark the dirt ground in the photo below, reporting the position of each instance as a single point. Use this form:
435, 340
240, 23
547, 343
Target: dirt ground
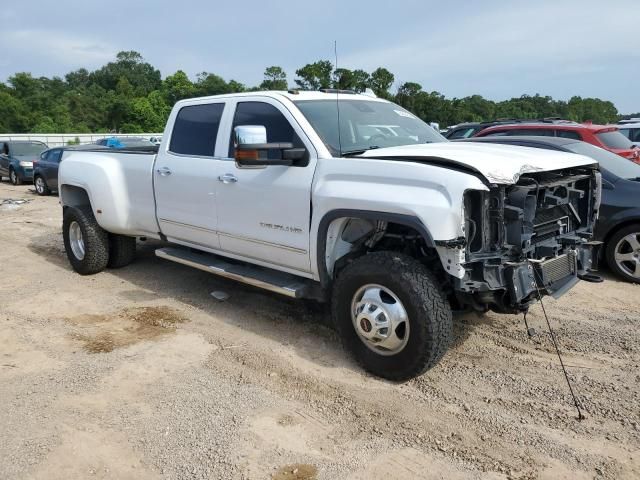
139, 373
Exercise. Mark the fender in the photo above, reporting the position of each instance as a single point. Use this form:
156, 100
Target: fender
332, 215
118, 186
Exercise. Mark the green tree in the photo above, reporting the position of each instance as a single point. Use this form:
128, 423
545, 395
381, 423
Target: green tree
177, 87
210, 84
142, 76
381, 81
592, 109
13, 117
236, 87
45, 125
356, 80
78, 79
145, 116
275, 78
315, 76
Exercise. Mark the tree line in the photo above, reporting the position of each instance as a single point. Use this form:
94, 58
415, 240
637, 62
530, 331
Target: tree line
129, 95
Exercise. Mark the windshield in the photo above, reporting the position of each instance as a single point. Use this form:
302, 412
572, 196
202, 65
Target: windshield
365, 124
27, 149
614, 139
615, 164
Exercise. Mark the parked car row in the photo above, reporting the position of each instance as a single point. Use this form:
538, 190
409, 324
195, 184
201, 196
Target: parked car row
33, 162
622, 140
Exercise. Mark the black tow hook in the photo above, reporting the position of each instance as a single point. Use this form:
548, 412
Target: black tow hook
590, 277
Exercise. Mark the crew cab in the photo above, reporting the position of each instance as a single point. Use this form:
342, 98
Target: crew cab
302, 193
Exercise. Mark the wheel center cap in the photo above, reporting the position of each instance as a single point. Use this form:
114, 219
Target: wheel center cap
365, 325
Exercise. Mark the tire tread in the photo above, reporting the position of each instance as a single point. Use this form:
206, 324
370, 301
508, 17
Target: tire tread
122, 250
95, 238
431, 303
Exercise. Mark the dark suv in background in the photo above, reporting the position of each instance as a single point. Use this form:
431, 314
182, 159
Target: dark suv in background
16, 159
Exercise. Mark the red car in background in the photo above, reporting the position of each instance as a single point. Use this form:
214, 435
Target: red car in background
603, 136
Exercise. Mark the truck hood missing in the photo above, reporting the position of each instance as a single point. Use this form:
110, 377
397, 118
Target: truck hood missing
499, 164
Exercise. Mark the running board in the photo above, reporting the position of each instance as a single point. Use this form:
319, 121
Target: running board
260, 277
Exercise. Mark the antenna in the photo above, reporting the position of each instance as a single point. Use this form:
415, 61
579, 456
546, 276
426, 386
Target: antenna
335, 51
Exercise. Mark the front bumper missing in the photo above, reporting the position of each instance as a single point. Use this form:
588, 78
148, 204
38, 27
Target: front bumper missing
554, 276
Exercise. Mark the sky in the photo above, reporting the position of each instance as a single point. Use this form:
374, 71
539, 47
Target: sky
497, 49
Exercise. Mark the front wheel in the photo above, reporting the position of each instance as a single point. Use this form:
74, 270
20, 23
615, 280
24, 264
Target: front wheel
86, 243
392, 315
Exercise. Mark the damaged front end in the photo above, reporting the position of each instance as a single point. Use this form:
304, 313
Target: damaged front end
528, 239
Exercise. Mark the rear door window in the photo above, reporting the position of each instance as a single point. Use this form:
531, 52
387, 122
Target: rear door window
195, 130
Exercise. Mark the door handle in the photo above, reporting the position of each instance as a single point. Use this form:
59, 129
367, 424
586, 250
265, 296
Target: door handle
164, 171
228, 178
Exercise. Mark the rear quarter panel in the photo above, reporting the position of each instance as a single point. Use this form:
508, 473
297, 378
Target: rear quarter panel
119, 186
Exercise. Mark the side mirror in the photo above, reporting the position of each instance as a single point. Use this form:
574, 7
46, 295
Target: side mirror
252, 148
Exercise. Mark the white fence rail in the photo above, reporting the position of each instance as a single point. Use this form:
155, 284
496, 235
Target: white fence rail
59, 139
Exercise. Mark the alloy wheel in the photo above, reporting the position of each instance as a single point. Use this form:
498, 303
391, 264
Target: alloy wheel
627, 254
76, 240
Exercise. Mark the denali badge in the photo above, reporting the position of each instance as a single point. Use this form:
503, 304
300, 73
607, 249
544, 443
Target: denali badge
282, 228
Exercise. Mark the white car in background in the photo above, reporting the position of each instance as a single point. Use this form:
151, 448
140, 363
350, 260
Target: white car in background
631, 131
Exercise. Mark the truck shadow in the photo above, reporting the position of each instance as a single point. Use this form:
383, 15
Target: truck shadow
305, 326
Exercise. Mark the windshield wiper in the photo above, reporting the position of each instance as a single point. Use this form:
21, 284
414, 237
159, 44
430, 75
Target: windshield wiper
348, 153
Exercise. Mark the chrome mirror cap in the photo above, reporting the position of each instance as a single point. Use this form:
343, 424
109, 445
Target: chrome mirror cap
249, 135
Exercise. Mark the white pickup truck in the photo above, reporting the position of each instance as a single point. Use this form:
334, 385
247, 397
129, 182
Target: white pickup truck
343, 198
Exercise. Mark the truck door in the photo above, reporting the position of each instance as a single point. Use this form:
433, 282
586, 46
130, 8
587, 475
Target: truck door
185, 175
264, 212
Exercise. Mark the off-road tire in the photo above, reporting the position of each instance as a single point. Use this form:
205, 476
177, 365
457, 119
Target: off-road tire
122, 250
46, 190
610, 251
14, 178
96, 241
430, 317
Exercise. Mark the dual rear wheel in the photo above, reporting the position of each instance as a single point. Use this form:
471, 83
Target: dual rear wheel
91, 249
